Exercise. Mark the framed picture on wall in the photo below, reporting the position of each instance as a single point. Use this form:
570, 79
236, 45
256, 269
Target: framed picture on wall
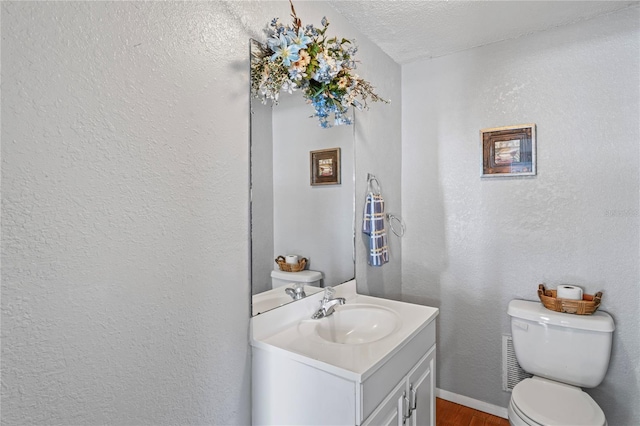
325, 167
509, 151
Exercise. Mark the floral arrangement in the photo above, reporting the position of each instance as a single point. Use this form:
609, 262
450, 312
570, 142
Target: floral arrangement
303, 58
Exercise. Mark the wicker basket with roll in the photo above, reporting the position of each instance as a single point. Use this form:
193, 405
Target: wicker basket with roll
291, 267
588, 305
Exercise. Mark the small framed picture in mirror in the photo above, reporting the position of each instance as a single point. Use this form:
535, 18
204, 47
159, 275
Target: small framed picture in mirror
325, 167
509, 151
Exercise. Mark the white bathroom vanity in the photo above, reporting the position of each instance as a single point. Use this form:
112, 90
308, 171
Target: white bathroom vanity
372, 362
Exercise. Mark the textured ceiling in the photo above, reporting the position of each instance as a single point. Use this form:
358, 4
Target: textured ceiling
412, 30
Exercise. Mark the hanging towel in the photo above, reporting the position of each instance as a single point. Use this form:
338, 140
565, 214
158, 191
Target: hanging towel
373, 226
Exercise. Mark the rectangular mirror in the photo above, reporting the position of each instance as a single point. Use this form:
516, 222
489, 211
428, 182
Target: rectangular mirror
289, 215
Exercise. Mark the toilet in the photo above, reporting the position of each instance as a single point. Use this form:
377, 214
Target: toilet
565, 353
306, 277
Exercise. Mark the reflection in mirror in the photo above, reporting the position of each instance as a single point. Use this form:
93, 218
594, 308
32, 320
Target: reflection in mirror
289, 216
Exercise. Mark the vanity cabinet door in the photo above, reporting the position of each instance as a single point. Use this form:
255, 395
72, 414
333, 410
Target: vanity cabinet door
420, 391
389, 412
412, 401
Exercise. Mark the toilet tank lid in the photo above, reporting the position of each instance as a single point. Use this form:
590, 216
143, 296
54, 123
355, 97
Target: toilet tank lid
535, 311
301, 277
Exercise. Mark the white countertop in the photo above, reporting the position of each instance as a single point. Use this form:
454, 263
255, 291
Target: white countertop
278, 331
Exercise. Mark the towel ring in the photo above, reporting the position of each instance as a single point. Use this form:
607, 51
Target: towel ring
391, 218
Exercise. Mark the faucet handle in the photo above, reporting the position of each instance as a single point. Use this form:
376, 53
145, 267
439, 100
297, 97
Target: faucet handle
329, 292
299, 289
297, 292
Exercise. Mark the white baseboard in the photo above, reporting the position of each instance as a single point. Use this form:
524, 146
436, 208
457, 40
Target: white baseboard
472, 403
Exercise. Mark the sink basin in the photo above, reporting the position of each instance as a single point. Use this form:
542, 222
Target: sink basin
357, 323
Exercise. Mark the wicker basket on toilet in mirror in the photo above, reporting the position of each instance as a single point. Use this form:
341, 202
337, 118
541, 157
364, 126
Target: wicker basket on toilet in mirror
291, 267
588, 305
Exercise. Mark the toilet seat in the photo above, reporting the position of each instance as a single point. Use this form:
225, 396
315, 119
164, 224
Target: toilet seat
545, 402
518, 418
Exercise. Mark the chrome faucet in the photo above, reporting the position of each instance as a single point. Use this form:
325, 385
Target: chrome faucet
328, 304
297, 292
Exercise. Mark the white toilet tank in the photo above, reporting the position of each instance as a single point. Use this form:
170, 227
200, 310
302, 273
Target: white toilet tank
572, 349
282, 278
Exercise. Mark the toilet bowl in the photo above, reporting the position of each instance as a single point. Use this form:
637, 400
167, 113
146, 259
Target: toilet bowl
564, 352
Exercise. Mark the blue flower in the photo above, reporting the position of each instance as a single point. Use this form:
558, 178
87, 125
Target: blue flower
341, 120
324, 21
301, 39
273, 42
322, 75
288, 53
310, 29
325, 108
322, 109
327, 69
296, 74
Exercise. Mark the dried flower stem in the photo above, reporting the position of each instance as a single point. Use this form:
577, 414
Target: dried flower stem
297, 23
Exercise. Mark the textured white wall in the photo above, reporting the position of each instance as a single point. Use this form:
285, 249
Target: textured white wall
475, 244
125, 296
125, 259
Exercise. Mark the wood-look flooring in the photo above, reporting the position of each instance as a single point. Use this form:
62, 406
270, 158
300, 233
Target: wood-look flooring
452, 414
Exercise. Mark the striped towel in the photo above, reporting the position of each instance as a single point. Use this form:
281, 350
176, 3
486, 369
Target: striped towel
373, 226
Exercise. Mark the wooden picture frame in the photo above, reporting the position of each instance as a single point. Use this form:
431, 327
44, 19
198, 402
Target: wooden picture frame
509, 151
325, 167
